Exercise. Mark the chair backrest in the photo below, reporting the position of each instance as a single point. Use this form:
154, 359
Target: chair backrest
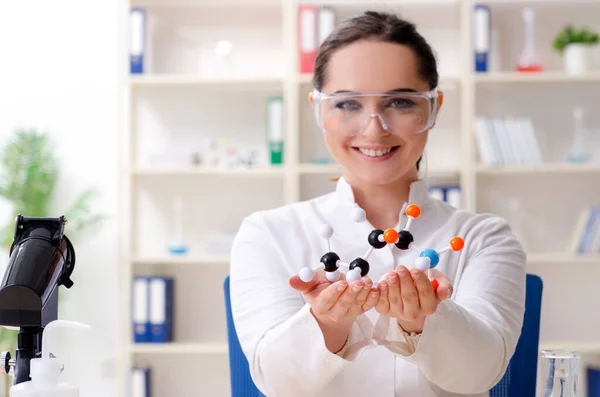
521, 374
239, 373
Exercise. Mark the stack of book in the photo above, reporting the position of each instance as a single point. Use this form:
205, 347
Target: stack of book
505, 141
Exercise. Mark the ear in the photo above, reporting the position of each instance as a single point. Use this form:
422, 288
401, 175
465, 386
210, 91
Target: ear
311, 99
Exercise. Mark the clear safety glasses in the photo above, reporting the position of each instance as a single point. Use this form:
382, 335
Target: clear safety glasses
402, 113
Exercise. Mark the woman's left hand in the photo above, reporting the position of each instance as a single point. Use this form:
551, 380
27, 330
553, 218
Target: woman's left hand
408, 296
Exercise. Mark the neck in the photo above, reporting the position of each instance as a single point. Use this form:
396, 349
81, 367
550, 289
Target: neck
382, 203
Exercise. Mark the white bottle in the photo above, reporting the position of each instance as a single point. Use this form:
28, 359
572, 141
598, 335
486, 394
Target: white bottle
45, 371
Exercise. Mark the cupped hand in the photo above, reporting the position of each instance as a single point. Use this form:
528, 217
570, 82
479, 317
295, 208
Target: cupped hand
409, 297
339, 302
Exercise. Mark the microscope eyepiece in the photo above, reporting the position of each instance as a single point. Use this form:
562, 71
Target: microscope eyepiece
41, 259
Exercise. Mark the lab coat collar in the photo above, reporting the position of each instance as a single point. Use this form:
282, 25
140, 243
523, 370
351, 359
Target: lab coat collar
419, 193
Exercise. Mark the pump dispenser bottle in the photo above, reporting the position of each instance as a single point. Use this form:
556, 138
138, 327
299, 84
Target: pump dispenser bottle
45, 371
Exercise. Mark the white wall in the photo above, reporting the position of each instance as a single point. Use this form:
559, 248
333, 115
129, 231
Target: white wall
58, 72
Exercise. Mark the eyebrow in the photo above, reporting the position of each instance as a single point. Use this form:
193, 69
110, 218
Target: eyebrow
394, 91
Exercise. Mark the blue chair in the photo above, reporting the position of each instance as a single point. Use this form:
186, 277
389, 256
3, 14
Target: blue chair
239, 372
520, 377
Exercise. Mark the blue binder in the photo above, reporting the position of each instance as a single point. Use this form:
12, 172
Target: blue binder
452, 195
140, 310
161, 296
137, 34
140, 385
481, 36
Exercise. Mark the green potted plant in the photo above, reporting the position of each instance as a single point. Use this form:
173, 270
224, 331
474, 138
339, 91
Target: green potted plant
574, 45
29, 171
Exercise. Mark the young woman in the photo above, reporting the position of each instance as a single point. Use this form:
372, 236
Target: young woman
375, 98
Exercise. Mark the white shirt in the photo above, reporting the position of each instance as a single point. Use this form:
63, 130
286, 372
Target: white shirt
464, 348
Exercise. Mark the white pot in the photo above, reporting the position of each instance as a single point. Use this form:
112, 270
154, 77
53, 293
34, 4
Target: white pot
576, 58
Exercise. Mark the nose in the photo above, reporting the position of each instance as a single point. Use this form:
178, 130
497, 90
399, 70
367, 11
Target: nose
375, 126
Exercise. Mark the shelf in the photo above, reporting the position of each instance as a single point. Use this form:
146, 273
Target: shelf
580, 346
367, 3
232, 171
168, 80
445, 81
182, 260
534, 259
562, 258
533, 77
538, 169
182, 107
442, 173
179, 348
521, 3
204, 3
334, 169
319, 169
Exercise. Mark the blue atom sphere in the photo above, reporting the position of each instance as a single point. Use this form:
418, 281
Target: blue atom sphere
432, 255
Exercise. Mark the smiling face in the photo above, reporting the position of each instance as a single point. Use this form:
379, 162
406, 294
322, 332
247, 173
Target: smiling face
375, 156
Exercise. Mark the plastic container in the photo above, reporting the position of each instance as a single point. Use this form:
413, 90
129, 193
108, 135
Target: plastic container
45, 371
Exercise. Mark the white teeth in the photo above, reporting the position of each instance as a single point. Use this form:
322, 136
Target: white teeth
375, 153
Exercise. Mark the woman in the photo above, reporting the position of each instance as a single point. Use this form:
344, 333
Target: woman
375, 98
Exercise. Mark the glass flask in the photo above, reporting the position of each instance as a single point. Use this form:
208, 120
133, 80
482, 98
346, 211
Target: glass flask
559, 373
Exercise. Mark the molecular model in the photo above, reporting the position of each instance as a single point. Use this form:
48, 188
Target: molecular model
359, 267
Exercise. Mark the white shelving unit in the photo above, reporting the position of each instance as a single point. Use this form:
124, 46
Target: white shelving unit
185, 97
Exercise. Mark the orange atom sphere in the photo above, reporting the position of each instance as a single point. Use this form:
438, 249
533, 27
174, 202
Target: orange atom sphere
435, 284
457, 243
413, 211
390, 236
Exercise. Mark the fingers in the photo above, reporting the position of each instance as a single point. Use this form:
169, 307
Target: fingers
340, 310
445, 288
306, 287
394, 295
383, 304
328, 297
427, 297
300, 285
409, 294
372, 300
361, 298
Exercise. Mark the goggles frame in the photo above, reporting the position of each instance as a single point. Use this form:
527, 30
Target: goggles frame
434, 97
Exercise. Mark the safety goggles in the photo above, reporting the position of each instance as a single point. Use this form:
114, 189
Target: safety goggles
399, 113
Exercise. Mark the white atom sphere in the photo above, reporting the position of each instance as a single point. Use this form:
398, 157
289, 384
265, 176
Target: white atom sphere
325, 231
353, 275
422, 263
332, 276
359, 215
306, 274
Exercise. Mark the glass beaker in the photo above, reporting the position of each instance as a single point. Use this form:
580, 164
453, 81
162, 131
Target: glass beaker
559, 373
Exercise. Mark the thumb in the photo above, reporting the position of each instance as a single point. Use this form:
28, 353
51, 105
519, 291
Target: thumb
444, 293
444, 289
300, 285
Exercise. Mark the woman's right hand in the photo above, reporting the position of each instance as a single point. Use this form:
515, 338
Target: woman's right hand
337, 303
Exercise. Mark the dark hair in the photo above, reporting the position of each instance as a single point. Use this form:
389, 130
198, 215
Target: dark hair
379, 26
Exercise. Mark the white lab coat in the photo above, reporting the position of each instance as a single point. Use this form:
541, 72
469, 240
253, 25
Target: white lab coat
464, 348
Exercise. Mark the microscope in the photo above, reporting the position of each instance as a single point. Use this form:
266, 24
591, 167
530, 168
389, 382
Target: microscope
41, 259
